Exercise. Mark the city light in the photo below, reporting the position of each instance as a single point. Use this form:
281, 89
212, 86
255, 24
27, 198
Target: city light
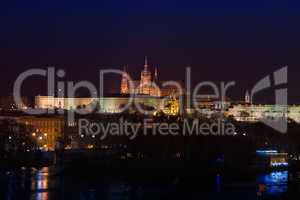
266, 152
275, 164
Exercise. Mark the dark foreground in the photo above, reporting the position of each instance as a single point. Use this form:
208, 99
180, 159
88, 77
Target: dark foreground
54, 183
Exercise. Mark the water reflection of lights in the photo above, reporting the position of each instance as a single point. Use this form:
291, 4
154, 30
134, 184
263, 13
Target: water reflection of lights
218, 182
279, 164
40, 184
276, 182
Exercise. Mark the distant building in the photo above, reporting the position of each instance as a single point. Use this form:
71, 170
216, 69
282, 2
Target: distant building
111, 104
51, 102
247, 98
253, 113
148, 85
147, 92
45, 130
8, 103
271, 159
208, 104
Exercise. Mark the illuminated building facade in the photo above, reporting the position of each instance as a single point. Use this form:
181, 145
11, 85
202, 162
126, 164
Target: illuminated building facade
113, 104
45, 130
247, 98
253, 113
147, 91
51, 102
272, 158
147, 85
172, 107
124, 83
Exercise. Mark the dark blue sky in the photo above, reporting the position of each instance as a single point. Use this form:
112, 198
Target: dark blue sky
221, 40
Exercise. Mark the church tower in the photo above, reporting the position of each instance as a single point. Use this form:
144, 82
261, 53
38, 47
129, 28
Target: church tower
156, 76
145, 83
124, 83
155, 90
247, 97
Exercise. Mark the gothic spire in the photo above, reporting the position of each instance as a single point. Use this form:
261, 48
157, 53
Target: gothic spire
247, 97
146, 63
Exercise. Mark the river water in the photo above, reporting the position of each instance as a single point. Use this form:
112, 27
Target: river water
45, 184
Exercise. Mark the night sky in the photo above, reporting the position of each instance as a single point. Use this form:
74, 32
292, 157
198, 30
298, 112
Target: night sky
221, 40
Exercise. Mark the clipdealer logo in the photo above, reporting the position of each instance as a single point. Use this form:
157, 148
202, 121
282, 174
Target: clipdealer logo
278, 122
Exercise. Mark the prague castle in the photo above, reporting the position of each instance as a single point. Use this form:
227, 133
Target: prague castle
151, 92
147, 91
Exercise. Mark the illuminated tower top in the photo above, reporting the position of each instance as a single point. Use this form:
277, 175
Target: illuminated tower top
124, 82
145, 82
247, 97
146, 73
146, 63
156, 75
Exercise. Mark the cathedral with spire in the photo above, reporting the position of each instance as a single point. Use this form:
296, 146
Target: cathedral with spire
147, 85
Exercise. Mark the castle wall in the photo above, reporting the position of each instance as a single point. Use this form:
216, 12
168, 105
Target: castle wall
106, 104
